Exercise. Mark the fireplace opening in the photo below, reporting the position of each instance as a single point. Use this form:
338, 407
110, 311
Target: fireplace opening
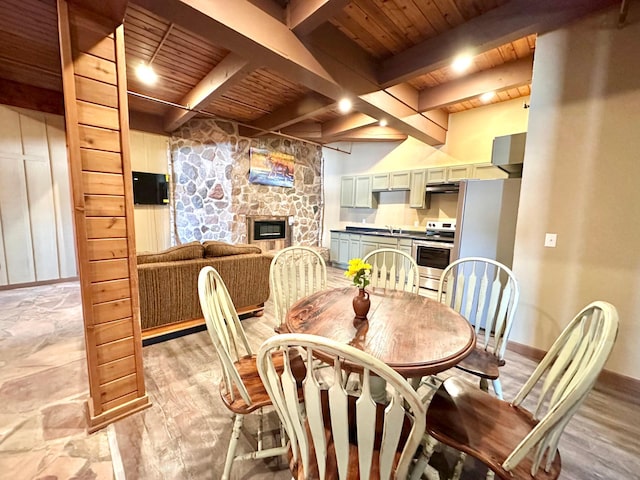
269, 232
269, 229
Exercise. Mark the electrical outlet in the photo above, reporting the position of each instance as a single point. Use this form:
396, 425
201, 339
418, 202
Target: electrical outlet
550, 240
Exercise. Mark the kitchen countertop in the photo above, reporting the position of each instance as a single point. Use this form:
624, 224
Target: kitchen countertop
384, 232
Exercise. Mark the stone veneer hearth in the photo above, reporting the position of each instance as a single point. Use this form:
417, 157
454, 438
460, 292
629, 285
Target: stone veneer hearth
211, 193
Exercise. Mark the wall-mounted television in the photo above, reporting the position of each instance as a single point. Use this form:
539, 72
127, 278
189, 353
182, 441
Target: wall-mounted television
150, 188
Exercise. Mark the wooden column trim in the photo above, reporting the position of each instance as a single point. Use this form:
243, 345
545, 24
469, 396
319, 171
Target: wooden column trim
75, 171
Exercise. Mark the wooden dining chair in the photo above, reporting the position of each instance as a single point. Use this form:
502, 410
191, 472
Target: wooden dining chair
393, 269
486, 293
296, 272
336, 434
241, 389
513, 442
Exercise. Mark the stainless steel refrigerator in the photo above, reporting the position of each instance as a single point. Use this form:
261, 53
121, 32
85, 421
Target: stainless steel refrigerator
486, 219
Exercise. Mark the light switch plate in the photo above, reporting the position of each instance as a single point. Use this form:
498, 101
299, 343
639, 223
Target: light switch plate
550, 240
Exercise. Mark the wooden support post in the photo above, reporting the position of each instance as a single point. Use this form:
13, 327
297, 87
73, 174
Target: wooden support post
97, 128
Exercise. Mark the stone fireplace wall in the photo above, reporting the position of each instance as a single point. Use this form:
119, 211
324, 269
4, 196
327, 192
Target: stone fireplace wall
211, 193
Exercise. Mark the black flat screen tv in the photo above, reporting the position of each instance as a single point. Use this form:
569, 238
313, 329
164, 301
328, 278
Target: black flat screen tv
150, 188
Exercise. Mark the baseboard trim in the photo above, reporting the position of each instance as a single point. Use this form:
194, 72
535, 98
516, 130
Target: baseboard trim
38, 284
607, 380
187, 327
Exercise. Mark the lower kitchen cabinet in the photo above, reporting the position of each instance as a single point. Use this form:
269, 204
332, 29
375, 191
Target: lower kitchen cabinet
345, 246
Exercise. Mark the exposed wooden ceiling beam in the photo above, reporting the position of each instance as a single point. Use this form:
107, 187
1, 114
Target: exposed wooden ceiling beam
508, 75
30, 97
346, 124
227, 72
304, 16
250, 32
370, 134
309, 130
511, 21
272, 8
295, 112
111, 9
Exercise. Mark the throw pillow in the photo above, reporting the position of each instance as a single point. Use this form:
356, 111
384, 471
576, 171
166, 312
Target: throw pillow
186, 251
213, 248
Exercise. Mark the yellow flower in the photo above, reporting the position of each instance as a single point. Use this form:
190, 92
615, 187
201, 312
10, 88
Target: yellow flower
359, 271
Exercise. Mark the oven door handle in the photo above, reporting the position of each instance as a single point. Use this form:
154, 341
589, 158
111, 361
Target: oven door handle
421, 243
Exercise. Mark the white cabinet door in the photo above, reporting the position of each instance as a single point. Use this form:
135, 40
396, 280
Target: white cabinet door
343, 256
456, 173
437, 175
368, 244
354, 246
400, 180
484, 171
404, 245
335, 248
379, 182
347, 192
417, 191
363, 195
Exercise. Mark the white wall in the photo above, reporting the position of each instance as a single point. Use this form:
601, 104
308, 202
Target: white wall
149, 153
581, 182
36, 226
469, 140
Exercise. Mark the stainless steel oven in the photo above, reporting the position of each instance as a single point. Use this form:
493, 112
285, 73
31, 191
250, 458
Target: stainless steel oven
433, 254
432, 258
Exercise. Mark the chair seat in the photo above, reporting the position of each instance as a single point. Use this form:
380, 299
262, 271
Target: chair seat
481, 363
489, 429
297, 469
248, 371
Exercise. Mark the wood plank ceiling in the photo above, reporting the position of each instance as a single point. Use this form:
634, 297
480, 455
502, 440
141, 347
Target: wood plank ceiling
283, 65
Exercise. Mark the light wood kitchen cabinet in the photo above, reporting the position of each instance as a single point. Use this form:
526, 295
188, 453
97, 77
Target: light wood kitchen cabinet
455, 173
417, 190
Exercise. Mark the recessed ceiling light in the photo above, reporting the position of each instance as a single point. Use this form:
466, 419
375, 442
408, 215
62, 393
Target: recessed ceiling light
461, 63
345, 105
383, 123
146, 74
485, 97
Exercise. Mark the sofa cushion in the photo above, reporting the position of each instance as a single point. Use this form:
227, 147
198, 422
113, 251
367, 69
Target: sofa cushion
186, 251
214, 248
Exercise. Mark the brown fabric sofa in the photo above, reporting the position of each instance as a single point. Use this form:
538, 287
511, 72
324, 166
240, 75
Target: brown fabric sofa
168, 281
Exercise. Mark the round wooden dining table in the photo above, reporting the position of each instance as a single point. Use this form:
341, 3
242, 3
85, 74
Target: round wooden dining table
414, 335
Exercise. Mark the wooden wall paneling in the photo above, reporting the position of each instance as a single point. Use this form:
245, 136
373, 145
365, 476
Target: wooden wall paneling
98, 142
99, 138
61, 196
10, 141
96, 92
16, 228
106, 227
128, 188
112, 331
117, 369
98, 115
110, 290
42, 218
4, 279
104, 205
107, 248
97, 161
98, 183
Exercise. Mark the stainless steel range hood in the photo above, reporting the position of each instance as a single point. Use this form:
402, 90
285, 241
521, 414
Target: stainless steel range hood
508, 153
450, 187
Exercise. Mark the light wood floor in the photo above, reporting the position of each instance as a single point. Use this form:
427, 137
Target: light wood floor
185, 434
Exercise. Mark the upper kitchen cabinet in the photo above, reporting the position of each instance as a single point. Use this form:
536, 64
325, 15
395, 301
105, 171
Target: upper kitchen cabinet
392, 181
355, 192
417, 191
487, 171
436, 175
455, 173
